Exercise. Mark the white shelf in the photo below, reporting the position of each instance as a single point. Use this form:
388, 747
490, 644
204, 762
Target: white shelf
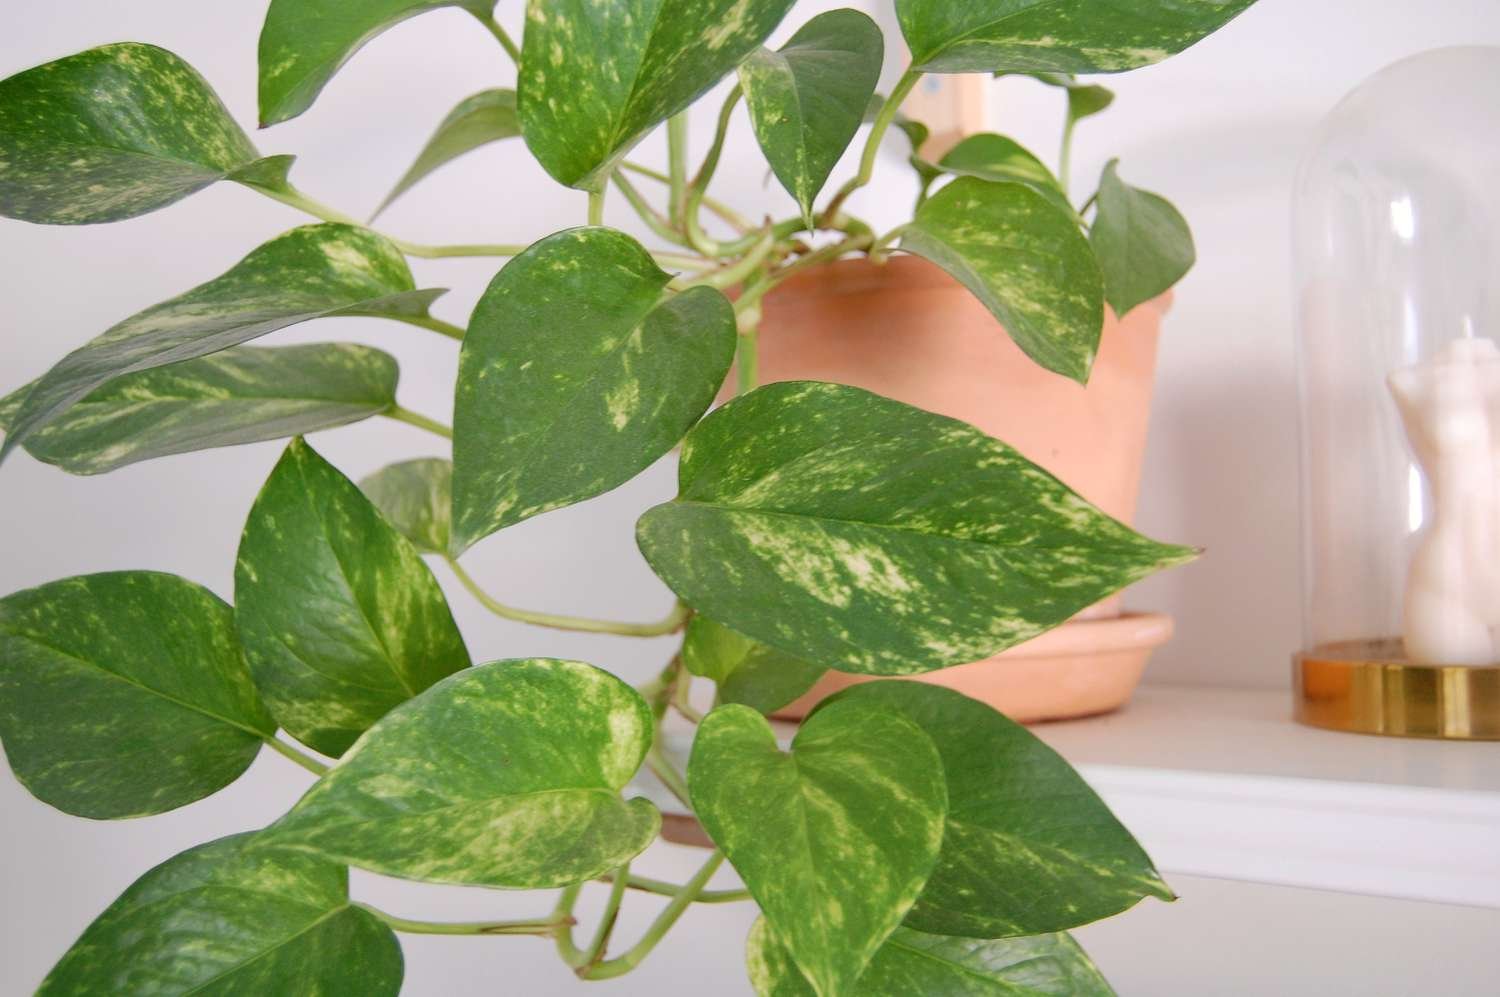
1221, 782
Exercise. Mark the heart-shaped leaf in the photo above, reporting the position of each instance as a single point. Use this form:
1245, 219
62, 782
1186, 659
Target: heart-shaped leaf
124, 694
1144, 244
577, 372
486, 117
240, 395
745, 671
230, 918
508, 774
596, 77
911, 962
69, 156
1029, 847
1026, 259
807, 99
835, 839
1067, 36
416, 497
1000, 159
340, 618
869, 536
304, 42
316, 271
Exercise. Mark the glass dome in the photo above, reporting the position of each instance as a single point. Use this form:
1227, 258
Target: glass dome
1397, 232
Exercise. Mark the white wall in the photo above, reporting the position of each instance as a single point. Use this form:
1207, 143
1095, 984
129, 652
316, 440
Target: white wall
1218, 130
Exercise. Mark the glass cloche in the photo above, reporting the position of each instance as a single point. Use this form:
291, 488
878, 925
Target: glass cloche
1397, 232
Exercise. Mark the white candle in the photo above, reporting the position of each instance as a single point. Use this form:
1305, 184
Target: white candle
1450, 406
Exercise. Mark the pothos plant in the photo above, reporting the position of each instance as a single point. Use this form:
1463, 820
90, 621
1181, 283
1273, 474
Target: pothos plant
909, 840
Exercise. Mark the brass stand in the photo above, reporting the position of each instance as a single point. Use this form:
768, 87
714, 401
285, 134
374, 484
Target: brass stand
1368, 687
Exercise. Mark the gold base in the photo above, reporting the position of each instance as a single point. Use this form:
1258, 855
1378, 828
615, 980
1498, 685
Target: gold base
1367, 687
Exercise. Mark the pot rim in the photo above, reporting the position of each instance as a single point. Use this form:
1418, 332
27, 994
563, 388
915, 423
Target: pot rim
901, 272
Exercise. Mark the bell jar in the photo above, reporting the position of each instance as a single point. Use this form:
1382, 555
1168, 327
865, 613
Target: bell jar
1396, 216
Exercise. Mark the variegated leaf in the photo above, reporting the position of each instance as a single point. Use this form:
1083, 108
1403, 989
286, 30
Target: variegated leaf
115, 132
857, 532
1026, 259
912, 963
486, 117
340, 618
835, 839
508, 774
240, 395
745, 671
578, 371
1029, 847
808, 98
415, 496
1067, 36
998, 158
304, 42
124, 694
228, 918
596, 77
316, 271
1144, 244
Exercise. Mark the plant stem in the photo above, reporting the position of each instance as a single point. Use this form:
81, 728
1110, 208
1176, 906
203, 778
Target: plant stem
1088, 204
435, 324
664, 889
740, 270
648, 214
680, 698
731, 217
671, 624
500, 36
443, 252
295, 198
677, 135
1065, 155
663, 769
546, 927
596, 205
611, 913
883, 121
563, 914
663, 923
420, 421
696, 190
306, 761
878, 251
747, 360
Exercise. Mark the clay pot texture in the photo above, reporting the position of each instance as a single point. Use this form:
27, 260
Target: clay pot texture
907, 330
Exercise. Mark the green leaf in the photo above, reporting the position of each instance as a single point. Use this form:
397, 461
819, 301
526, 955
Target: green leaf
316, 271
596, 77
229, 918
870, 536
578, 371
1025, 258
745, 671
1144, 244
115, 132
416, 497
833, 840
304, 42
911, 962
124, 694
808, 99
508, 774
340, 618
240, 395
1068, 36
486, 117
1000, 159
1029, 847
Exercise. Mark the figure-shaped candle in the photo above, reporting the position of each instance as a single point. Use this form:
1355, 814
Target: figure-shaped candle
1451, 409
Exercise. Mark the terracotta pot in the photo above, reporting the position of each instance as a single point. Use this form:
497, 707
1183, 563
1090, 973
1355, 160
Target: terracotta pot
909, 331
